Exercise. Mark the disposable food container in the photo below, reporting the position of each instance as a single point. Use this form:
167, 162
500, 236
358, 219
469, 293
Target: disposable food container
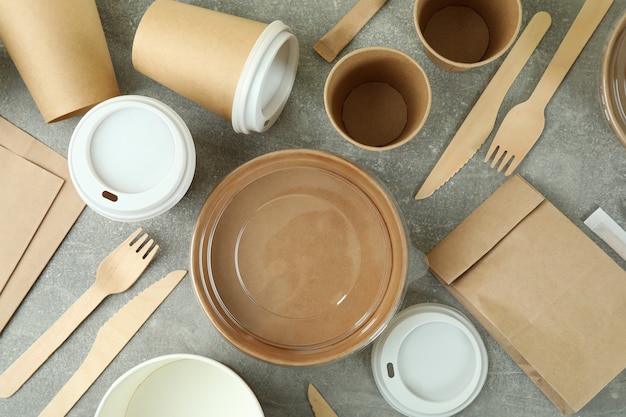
299, 257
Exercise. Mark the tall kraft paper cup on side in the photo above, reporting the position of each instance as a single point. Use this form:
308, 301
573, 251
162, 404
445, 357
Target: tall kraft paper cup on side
240, 69
462, 34
377, 98
60, 51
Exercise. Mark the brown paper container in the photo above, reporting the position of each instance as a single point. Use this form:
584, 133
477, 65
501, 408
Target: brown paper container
461, 34
377, 98
206, 56
552, 298
59, 49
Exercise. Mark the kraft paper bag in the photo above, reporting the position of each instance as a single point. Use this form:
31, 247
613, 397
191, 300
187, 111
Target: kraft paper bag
60, 51
552, 298
58, 221
27, 193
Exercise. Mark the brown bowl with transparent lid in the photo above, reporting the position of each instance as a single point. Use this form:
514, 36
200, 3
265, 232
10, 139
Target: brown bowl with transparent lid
299, 257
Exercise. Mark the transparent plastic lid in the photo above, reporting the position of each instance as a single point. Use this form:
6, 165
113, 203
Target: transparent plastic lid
614, 81
299, 257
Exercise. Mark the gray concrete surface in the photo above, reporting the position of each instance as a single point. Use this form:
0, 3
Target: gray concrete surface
578, 164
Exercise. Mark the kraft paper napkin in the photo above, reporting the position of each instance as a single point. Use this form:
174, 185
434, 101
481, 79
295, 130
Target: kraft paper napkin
544, 290
58, 221
27, 193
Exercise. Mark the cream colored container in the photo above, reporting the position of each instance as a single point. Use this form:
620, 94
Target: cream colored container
179, 385
240, 69
461, 34
59, 49
377, 98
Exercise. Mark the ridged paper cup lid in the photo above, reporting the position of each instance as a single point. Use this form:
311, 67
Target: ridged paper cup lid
266, 79
131, 158
430, 361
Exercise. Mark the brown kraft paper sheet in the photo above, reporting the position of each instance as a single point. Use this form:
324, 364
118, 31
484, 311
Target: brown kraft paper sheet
59, 219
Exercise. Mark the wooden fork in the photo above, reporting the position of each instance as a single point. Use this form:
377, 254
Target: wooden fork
523, 125
115, 274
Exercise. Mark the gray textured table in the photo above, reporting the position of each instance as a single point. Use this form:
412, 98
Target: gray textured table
578, 164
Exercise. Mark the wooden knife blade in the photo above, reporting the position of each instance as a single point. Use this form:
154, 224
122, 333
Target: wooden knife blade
318, 403
111, 339
481, 120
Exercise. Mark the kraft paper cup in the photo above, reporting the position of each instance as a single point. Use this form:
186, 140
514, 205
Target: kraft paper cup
461, 34
61, 53
377, 98
240, 69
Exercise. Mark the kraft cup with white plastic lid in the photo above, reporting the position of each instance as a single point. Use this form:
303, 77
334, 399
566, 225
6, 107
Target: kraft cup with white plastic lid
377, 98
458, 35
131, 158
182, 385
430, 361
240, 69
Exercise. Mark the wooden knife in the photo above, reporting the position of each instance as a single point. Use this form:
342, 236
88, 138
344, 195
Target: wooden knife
111, 339
318, 403
482, 118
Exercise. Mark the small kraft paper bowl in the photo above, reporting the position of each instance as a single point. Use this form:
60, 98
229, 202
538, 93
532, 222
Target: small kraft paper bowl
377, 98
462, 34
181, 385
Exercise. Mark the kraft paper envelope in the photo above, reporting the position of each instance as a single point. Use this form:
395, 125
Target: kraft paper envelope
27, 193
58, 221
553, 299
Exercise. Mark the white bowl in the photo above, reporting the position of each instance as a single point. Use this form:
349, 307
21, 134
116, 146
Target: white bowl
179, 385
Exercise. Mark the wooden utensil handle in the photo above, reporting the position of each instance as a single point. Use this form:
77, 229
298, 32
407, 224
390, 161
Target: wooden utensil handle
578, 35
333, 42
73, 389
26, 365
489, 102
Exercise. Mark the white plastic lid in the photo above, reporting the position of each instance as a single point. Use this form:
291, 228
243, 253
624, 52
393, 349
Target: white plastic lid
430, 361
131, 158
266, 79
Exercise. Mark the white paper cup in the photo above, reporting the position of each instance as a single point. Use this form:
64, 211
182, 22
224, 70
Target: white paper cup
240, 69
462, 34
131, 158
179, 385
429, 361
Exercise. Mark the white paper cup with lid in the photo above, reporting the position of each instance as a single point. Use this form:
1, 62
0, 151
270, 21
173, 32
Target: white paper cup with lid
430, 361
240, 69
131, 158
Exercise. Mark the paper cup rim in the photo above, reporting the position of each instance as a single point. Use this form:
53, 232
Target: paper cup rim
463, 66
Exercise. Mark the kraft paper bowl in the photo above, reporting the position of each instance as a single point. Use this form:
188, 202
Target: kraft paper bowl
240, 69
614, 81
179, 385
299, 258
377, 98
462, 34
